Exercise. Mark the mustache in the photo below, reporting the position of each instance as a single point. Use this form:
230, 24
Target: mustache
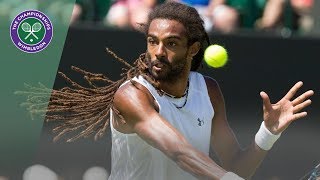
157, 60
160, 61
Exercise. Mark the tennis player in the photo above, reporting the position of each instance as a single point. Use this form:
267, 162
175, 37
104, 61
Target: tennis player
166, 116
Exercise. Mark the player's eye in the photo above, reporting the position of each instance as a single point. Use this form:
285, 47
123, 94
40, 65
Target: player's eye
151, 41
172, 43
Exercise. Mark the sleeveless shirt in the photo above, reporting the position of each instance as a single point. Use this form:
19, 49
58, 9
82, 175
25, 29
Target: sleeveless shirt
134, 159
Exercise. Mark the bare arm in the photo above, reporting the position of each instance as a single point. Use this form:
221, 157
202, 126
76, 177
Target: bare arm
277, 118
138, 109
240, 161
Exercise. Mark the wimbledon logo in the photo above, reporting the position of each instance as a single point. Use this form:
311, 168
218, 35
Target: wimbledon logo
31, 31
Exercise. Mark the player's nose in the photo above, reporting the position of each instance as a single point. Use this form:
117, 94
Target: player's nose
160, 51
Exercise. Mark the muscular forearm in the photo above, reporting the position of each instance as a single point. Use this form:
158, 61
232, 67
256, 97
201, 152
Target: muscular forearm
198, 164
246, 161
177, 148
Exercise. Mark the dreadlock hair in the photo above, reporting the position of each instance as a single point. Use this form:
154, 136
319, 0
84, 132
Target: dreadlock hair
78, 108
87, 109
191, 20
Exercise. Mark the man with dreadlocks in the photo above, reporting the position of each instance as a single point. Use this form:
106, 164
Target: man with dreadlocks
165, 118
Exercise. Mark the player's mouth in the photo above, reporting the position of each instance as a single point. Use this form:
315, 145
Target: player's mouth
159, 66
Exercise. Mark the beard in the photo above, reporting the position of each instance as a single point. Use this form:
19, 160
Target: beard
169, 71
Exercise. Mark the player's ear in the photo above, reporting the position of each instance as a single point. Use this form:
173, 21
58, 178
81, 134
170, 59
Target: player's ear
194, 49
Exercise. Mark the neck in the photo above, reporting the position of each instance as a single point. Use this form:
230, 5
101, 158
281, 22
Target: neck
177, 87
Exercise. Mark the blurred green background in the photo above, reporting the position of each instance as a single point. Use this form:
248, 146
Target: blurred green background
19, 135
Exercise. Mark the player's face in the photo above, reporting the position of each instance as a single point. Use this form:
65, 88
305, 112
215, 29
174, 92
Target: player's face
167, 49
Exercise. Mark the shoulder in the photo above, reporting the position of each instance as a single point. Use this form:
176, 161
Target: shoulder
132, 95
211, 83
214, 91
212, 86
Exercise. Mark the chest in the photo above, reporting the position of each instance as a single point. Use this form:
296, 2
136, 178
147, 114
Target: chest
193, 121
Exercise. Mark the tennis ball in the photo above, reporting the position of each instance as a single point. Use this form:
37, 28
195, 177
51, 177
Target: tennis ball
216, 56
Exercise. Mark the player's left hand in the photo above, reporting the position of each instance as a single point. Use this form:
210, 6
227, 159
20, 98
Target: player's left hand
277, 117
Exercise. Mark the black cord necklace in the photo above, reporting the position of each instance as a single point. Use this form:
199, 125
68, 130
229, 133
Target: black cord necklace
185, 95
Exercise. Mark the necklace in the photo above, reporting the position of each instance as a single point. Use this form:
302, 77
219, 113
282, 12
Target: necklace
185, 96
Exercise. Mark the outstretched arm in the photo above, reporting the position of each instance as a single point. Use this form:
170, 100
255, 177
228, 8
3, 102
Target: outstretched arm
137, 108
277, 117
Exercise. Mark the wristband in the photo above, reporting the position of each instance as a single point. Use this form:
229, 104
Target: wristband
231, 176
264, 138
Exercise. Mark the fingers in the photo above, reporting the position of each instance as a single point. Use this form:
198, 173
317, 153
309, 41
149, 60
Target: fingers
293, 90
301, 106
266, 100
299, 115
302, 97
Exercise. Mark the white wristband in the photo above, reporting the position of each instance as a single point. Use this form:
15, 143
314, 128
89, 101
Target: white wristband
264, 138
231, 176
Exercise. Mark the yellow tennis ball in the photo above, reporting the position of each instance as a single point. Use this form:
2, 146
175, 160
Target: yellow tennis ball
216, 56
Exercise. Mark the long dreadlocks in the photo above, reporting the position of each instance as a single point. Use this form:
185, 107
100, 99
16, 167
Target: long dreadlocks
87, 109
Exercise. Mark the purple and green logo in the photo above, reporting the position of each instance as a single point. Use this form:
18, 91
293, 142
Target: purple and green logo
31, 31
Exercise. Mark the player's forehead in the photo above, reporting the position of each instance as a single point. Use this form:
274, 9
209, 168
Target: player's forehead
164, 28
